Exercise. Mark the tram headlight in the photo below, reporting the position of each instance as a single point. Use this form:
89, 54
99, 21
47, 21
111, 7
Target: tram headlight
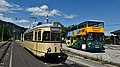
61, 49
48, 50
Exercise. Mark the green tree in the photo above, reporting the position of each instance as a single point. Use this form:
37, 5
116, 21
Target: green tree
64, 31
40, 23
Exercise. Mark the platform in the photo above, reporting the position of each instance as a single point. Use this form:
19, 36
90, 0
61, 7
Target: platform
22, 58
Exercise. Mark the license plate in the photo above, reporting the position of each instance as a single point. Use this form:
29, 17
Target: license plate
96, 46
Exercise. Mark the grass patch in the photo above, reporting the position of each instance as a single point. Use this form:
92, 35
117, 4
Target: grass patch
91, 58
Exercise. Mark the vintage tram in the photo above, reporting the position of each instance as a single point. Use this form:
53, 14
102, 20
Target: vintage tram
45, 41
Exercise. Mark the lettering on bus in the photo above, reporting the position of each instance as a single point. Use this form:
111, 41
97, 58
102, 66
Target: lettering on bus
83, 30
96, 29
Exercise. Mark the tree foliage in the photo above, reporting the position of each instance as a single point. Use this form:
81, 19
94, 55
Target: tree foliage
40, 23
10, 30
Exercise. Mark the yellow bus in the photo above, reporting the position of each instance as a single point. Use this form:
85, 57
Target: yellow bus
45, 41
88, 35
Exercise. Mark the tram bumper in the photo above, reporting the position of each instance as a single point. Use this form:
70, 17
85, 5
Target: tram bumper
60, 57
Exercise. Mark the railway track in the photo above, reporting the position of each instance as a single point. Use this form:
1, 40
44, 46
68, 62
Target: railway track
5, 54
68, 63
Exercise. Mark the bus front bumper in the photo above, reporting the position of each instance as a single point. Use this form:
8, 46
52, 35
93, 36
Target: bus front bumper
100, 48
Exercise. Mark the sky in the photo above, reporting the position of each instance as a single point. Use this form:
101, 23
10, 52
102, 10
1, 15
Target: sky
67, 12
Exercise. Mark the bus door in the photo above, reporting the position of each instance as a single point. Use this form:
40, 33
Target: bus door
83, 38
71, 40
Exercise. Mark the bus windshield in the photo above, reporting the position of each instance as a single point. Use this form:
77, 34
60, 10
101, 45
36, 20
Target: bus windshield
95, 24
53, 36
96, 36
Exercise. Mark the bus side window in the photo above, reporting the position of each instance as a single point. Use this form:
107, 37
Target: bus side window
74, 38
39, 35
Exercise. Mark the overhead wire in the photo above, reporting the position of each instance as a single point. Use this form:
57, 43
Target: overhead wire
50, 2
113, 25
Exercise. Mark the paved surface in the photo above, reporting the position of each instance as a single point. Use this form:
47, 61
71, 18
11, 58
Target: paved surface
109, 54
22, 58
68, 63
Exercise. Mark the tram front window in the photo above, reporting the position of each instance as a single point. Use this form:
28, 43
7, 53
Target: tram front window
55, 36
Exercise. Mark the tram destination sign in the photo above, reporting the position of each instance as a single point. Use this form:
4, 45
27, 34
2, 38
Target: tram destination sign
55, 29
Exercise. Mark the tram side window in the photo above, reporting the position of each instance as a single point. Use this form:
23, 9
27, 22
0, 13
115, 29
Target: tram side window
29, 36
35, 35
39, 35
46, 36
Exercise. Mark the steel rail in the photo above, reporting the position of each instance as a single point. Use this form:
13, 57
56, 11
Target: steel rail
3, 44
4, 52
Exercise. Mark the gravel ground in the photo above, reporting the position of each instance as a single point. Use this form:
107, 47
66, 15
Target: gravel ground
2, 42
87, 62
109, 55
68, 63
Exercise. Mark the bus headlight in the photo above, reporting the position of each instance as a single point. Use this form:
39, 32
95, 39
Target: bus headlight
48, 50
89, 44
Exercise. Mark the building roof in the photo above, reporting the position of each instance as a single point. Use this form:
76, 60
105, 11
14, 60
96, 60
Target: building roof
115, 32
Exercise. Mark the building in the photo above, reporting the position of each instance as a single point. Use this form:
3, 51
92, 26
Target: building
116, 37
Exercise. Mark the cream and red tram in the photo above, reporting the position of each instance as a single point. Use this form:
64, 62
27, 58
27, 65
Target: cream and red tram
45, 41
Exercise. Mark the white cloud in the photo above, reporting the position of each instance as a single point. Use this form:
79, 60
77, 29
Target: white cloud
22, 21
7, 7
8, 19
70, 16
107, 33
35, 23
5, 3
1, 14
43, 11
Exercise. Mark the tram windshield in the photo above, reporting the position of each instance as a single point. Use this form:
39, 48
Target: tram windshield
53, 36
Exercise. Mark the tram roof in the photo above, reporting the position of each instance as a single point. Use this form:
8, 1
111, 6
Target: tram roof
42, 26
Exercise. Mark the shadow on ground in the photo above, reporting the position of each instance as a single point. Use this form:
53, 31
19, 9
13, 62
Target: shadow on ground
52, 60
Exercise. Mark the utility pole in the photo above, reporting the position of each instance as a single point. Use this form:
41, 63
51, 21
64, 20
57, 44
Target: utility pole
47, 19
3, 32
